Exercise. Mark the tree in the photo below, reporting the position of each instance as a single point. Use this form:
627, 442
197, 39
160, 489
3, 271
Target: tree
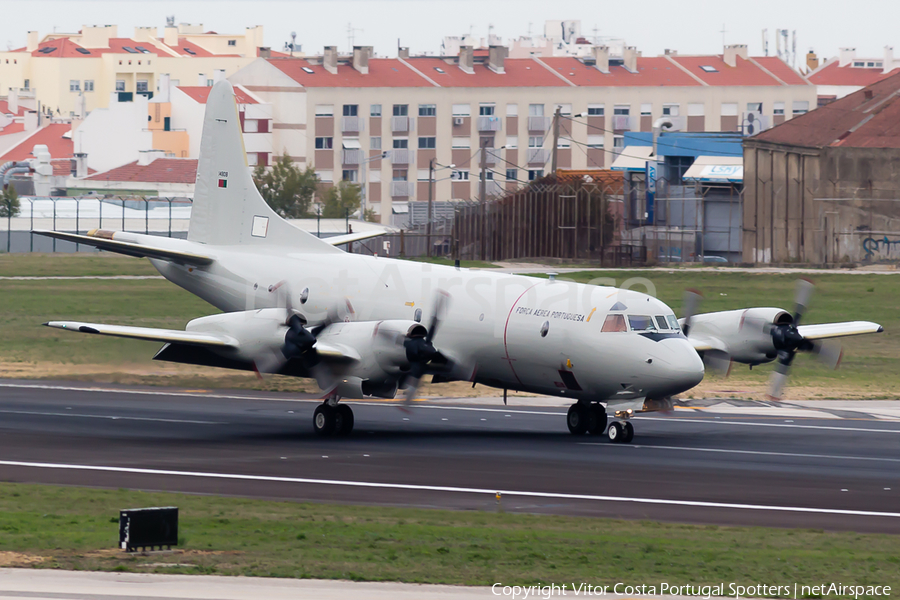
9, 202
341, 200
285, 188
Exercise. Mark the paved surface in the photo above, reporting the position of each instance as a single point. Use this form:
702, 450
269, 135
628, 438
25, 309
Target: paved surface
532, 268
834, 466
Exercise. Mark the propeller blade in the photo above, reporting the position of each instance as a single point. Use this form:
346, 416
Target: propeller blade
717, 361
802, 296
829, 353
441, 298
778, 380
692, 299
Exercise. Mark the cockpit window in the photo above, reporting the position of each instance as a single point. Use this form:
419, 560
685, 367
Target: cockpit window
661, 321
614, 323
641, 323
673, 322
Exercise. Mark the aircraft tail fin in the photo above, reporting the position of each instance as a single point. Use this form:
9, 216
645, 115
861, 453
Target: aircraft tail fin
228, 209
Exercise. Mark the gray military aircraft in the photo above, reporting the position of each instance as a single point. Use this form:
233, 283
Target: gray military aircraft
364, 325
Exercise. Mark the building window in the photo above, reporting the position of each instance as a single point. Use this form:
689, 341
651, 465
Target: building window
461, 142
595, 141
486, 110
324, 110
708, 69
427, 110
512, 174
325, 176
512, 110
622, 109
120, 85
252, 159
535, 141
401, 110
646, 110
324, 143
696, 109
209, 82
460, 175
142, 86
251, 125
401, 143
670, 110
564, 142
375, 110
422, 175
778, 108
754, 107
486, 141
512, 142
27, 82
350, 175
351, 110
800, 107
74, 85
565, 109
489, 175
89, 85
535, 174
618, 141
400, 175
375, 143
427, 143
462, 110
232, 42
535, 110
595, 110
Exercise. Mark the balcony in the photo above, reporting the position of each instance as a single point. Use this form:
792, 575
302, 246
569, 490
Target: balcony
621, 123
539, 123
351, 124
538, 155
491, 156
401, 124
488, 123
352, 157
402, 189
401, 156
494, 188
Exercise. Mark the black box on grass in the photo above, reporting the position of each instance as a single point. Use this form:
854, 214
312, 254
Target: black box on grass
148, 528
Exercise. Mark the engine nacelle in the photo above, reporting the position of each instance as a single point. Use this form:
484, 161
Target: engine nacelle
745, 334
255, 332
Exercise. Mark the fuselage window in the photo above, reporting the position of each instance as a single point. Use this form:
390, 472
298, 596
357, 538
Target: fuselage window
673, 322
641, 323
614, 323
661, 321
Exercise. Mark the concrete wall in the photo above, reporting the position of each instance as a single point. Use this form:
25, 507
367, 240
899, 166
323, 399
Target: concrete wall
114, 136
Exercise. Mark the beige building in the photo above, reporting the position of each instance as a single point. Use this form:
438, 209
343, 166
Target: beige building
71, 74
341, 113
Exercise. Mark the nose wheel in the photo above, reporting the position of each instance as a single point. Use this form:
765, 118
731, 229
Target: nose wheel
620, 432
332, 419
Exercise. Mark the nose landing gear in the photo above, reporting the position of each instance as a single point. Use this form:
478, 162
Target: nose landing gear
592, 418
621, 432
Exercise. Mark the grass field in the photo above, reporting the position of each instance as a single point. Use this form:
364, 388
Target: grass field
870, 369
75, 528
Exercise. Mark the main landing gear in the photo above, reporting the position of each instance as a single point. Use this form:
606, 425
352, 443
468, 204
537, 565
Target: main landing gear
331, 418
591, 418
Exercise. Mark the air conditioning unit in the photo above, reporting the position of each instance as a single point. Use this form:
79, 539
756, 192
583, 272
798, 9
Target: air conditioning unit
457, 120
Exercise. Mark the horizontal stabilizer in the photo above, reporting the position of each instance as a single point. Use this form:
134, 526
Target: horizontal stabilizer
836, 330
130, 249
340, 240
145, 333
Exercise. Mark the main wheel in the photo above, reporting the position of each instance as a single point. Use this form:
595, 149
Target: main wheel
615, 432
324, 420
577, 419
597, 419
346, 414
629, 433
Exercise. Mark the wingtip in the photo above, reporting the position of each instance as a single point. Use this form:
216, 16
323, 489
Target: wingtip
880, 329
46, 324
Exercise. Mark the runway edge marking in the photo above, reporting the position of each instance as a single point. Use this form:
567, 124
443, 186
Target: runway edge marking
463, 490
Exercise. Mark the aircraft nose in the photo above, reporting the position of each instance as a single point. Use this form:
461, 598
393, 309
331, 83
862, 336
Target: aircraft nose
683, 367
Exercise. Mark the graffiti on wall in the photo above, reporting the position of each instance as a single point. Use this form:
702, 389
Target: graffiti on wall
881, 248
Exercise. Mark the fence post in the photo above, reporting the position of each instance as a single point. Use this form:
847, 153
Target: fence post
77, 221
170, 217
123, 214
146, 216
31, 232
54, 223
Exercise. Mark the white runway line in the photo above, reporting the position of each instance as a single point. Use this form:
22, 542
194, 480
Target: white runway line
788, 425
109, 417
451, 489
756, 452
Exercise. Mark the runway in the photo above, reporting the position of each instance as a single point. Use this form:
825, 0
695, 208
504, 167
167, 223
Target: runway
833, 466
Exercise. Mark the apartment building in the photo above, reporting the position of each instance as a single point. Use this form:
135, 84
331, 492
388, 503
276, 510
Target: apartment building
343, 114
847, 72
71, 74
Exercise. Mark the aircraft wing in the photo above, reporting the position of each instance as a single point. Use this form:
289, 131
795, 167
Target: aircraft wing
146, 333
702, 343
340, 240
835, 330
129, 248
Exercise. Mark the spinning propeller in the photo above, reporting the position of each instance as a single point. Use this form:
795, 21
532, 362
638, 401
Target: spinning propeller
420, 351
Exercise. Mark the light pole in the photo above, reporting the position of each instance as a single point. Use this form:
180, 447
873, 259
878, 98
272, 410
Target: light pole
362, 196
431, 164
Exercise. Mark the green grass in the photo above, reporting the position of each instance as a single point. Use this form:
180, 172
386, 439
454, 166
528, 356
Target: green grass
465, 264
71, 528
72, 265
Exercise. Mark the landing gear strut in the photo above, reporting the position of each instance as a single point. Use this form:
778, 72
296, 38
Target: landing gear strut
331, 418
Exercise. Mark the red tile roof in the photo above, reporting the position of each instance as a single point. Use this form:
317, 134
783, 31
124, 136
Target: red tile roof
519, 72
184, 45
161, 170
49, 135
200, 93
743, 73
832, 73
383, 72
651, 71
62, 48
781, 70
4, 109
855, 120
62, 167
12, 128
